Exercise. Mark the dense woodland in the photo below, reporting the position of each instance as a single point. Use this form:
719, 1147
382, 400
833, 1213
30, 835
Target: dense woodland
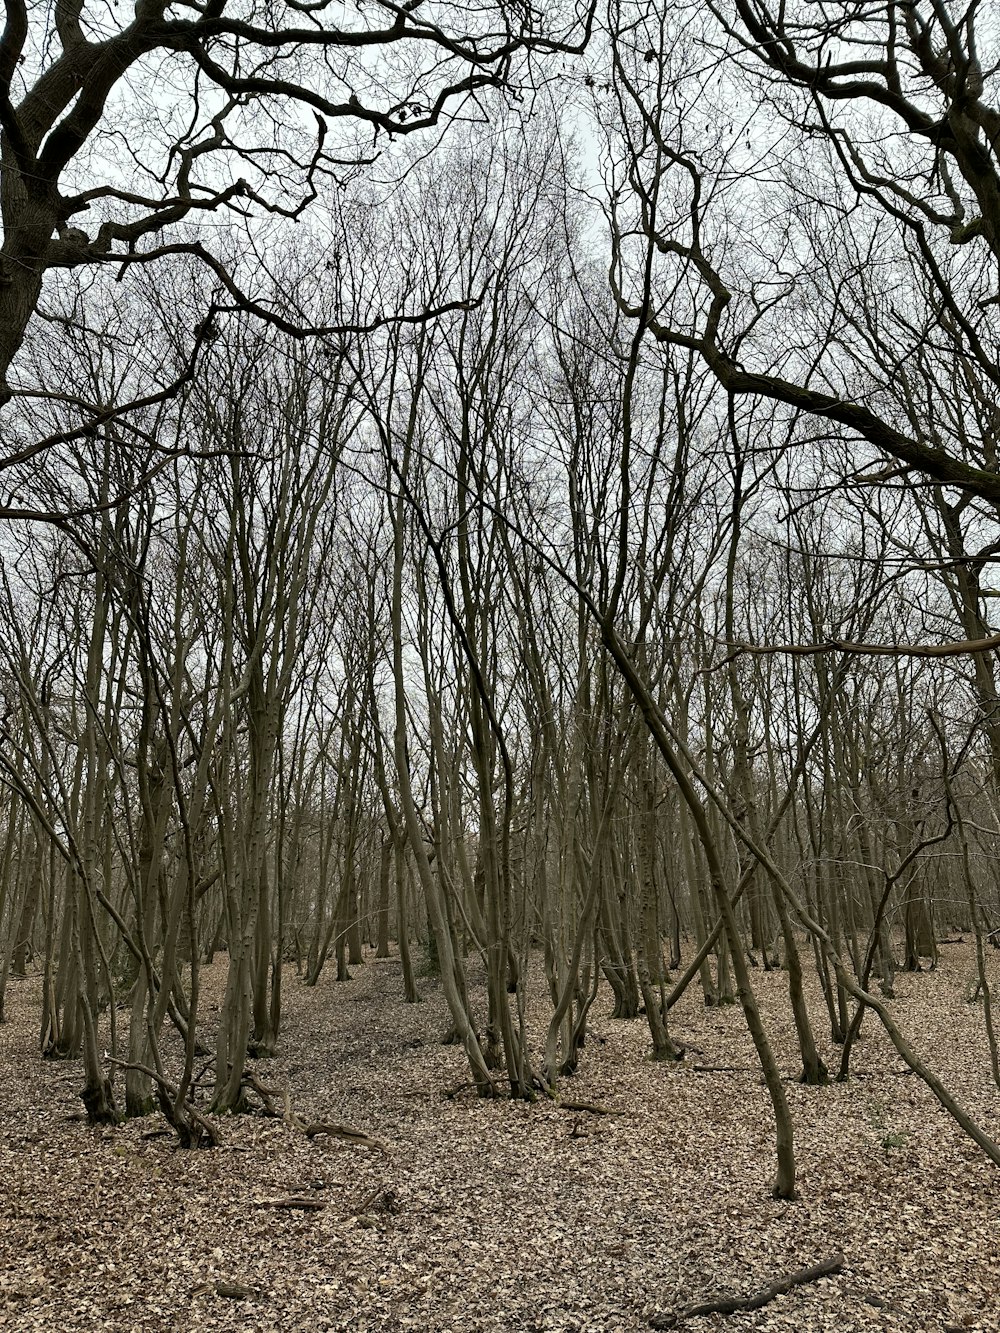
515, 491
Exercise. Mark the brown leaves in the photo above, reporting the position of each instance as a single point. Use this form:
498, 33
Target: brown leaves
490, 1218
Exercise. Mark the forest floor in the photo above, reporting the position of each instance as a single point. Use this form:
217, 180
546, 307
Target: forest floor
500, 1216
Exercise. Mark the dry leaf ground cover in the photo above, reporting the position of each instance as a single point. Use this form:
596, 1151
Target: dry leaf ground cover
499, 1216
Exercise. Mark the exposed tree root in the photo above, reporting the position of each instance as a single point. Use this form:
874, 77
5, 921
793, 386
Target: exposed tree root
193, 1128
450, 1093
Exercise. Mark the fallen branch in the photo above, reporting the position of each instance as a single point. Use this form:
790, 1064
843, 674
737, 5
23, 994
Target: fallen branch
333, 1129
382, 1199
731, 1304
593, 1108
339, 1131
303, 1201
233, 1291
366, 1202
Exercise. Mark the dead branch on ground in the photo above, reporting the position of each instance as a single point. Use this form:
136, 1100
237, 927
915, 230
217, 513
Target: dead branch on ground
311, 1129
732, 1304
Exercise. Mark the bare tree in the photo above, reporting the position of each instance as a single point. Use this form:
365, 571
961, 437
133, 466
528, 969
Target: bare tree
116, 131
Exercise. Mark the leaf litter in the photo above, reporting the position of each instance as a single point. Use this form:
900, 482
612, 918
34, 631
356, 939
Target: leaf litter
484, 1217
